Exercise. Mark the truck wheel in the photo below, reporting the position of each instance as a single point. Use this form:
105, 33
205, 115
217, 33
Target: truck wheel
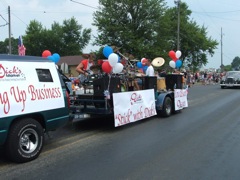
25, 140
167, 107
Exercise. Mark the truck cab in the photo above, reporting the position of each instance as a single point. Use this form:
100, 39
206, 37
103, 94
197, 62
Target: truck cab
33, 100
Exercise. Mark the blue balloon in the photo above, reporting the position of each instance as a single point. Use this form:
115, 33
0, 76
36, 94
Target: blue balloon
51, 58
119, 59
145, 68
56, 57
178, 63
107, 50
139, 65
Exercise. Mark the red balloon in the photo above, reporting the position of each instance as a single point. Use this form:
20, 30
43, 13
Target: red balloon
46, 53
172, 55
144, 61
100, 61
106, 67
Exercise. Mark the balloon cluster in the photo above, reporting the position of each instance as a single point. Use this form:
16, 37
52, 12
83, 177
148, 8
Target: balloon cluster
175, 62
143, 64
53, 57
113, 64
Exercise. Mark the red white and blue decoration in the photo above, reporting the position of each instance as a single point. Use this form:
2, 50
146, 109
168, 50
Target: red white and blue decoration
175, 62
21, 47
55, 57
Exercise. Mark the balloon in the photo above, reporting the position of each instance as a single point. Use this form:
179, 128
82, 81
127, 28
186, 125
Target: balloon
178, 54
172, 64
46, 53
178, 63
100, 61
113, 59
106, 67
144, 61
51, 58
119, 59
107, 50
118, 68
172, 55
56, 57
145, 68
139, 65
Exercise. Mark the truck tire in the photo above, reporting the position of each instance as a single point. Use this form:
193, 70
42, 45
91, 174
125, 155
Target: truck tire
25, 140
167, 107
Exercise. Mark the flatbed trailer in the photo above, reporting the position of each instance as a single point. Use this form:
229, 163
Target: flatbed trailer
94, 103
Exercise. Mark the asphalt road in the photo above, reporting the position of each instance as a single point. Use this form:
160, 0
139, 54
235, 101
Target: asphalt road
200, 142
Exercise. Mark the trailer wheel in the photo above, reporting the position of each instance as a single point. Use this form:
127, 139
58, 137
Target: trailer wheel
25, 140
167, 107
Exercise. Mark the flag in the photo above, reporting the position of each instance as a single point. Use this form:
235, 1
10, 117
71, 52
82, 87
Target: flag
21, 48
20, 41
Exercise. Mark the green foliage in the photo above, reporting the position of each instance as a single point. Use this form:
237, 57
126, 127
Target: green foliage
35, 39
144, 28
67, 39
228, 68
236, 63
129, 24
4, 46
147, 28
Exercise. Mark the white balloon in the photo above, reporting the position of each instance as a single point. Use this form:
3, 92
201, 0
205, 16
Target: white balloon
178, 54
113, 59
118, 68
172, 64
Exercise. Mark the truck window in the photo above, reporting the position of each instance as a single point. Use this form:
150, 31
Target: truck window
44, 75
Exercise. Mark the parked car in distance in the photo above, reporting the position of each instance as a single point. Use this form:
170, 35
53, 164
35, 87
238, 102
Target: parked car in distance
231, 79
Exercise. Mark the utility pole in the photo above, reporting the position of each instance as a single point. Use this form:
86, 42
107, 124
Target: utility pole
9, 31
177, 2
222, 67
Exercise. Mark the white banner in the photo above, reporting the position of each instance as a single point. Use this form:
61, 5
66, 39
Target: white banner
180, 98
21, 92
133, 106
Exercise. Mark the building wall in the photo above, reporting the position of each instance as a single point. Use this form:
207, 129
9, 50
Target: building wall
72, 70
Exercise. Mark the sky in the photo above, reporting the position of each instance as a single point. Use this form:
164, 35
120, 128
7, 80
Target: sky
220, 17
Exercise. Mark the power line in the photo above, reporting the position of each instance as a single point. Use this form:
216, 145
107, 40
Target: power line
4, 20
219, 17
84, 4
219, 12
20, 19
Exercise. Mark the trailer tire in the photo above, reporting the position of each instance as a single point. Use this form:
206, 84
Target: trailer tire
25, 140
167, 107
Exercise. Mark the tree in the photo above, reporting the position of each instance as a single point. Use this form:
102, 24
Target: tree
129, 24
35, 39
148, 28
4, 45
74, 37
227, 68
236, 63
195, 45
67, 39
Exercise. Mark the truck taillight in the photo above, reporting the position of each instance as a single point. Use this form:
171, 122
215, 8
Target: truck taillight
68, 99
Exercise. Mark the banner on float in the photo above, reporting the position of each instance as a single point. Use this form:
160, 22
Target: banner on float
180, 98
133, 106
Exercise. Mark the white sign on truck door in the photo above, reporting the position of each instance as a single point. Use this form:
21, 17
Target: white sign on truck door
28, 86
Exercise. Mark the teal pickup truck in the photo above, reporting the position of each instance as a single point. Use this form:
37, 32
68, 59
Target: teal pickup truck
33, 100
